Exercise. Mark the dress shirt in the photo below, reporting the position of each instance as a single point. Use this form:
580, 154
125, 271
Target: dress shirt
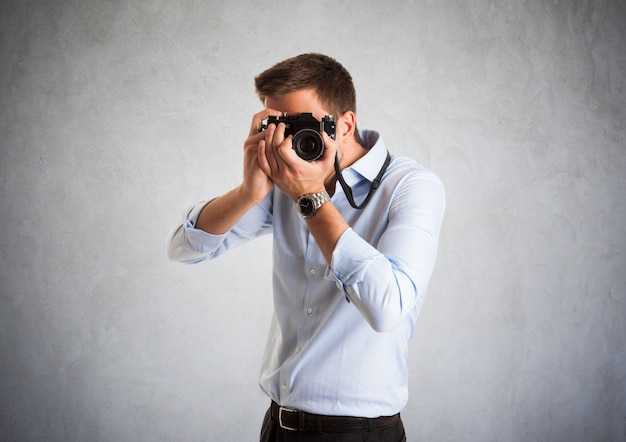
338, 338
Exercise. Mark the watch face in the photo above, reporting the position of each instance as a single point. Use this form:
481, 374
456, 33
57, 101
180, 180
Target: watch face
306, 206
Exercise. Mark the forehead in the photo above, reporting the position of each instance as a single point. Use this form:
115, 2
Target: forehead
304, 100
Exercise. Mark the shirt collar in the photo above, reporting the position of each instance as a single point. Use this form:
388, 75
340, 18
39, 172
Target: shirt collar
369, 164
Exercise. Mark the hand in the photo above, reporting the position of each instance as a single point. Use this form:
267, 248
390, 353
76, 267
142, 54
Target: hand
291, 174
256, 183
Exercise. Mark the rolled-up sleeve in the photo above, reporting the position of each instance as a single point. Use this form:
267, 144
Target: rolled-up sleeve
389, 281
190, 245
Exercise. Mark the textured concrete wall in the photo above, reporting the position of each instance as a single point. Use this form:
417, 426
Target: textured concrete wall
116, 115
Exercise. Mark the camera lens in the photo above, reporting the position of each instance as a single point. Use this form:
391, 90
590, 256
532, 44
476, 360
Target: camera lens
308, 144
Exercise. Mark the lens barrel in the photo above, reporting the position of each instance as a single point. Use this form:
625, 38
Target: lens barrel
308, 144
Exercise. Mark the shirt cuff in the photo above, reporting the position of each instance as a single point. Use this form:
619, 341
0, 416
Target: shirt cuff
350, 258
198, 239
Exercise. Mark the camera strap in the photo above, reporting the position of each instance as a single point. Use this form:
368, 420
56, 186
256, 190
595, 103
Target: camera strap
348, 191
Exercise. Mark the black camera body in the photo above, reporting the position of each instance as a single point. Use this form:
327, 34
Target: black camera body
307, 132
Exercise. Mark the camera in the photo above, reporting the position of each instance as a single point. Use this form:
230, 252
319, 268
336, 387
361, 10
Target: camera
306, 130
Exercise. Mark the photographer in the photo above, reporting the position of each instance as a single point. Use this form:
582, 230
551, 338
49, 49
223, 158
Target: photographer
355, 235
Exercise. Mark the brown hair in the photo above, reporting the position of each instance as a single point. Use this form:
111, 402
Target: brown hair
331, 82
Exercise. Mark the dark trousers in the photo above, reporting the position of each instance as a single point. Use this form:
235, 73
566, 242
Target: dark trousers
271, 432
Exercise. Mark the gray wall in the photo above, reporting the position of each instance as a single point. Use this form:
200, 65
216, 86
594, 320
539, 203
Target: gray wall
116, 115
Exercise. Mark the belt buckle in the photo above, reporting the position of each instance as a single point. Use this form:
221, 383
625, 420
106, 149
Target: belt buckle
280, 418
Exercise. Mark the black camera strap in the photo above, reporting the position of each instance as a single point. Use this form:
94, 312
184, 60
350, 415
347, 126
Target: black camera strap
348, 191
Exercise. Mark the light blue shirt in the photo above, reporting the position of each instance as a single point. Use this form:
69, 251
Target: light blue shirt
337, 343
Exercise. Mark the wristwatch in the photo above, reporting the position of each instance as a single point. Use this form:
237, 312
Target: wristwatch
309, 203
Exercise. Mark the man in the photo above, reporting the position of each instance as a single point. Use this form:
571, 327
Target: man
355, 238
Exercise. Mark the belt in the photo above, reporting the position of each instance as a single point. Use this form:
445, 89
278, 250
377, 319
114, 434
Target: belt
297, 420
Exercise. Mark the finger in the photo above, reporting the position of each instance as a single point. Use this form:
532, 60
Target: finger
253, 141
263, 163
278, 135
285, 150
330, 145
269, 150
259, 117
257, 122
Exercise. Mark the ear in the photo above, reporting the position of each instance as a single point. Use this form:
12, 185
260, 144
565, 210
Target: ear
346, 125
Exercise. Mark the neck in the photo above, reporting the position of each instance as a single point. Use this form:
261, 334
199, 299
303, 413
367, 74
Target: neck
349, 155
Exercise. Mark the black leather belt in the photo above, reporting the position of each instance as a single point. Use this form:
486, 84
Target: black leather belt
296, 420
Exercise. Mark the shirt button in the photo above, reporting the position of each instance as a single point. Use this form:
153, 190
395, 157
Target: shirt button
298, 350
313, 271
309, 311
283, 387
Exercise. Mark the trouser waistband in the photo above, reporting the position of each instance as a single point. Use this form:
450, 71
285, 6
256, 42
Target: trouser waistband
297, 420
